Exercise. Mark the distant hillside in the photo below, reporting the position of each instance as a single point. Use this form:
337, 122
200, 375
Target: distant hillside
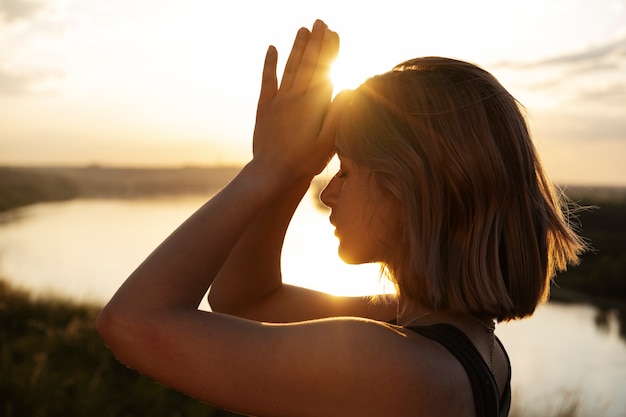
23, 186
602, 272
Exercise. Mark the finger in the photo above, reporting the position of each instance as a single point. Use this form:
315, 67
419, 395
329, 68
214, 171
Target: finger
295, 56
328, 54
269, 83
308, 62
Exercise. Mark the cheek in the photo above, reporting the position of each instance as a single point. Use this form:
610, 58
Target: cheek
388, 225
357, 242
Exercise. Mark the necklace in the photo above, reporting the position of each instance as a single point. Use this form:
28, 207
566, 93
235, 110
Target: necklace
421, 316
490, 327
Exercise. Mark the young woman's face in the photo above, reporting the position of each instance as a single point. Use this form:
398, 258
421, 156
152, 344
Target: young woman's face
366, 221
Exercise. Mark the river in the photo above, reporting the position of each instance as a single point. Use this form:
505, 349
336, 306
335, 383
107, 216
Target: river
84, 249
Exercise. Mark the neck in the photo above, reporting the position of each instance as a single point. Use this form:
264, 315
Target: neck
408, 313
415, 314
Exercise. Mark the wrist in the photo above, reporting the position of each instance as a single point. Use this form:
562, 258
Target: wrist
275, 176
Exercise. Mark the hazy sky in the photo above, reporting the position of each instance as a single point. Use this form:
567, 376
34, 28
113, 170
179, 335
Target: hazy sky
150, 82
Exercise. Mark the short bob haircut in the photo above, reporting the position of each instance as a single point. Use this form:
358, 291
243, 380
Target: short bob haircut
484, 231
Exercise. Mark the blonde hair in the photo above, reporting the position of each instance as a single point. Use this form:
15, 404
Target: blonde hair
483, 229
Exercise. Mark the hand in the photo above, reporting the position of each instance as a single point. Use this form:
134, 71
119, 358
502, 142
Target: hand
291, 136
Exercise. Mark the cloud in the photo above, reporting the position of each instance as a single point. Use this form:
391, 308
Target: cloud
611, 93
594, 128
593, 77
13, 10
577, 98
14, 84
22, 84
598, 56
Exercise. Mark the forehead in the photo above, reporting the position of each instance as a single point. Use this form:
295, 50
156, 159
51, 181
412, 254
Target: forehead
347, 162
342, 158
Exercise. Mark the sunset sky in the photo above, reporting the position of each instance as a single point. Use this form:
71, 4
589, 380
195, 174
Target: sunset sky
154, 82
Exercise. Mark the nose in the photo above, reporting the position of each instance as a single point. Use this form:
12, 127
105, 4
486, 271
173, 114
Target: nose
329, 193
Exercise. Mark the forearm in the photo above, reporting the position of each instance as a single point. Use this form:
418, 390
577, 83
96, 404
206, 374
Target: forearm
293, 140
252, 269
179, 272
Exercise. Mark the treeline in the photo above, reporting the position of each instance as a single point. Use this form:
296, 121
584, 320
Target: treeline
602, 222
53, 363
602, 272
23, 186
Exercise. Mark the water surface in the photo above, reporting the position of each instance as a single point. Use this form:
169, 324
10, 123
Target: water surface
84, 249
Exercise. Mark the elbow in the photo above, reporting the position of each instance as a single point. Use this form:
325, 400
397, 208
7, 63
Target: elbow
106, 324
111, 326
140, 339
123, 334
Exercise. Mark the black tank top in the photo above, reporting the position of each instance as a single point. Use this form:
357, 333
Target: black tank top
486, 397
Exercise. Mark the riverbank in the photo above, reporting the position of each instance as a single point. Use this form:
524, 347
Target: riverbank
53, 363
601, 274
22, 186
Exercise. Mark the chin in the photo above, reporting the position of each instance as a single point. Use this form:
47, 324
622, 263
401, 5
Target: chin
347, 257
352, 258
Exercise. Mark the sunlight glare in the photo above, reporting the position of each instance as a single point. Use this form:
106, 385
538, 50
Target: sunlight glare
310, 256
346, 75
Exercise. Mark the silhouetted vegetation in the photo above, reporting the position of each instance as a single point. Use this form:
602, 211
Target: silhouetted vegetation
20, 187
53, 363
601, 274
23, 186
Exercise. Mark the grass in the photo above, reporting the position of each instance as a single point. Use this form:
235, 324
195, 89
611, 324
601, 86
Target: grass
53, 363
567, 404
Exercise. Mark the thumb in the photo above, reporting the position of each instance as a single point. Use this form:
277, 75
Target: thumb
269, 83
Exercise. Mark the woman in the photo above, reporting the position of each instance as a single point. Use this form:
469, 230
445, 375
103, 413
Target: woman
439, 183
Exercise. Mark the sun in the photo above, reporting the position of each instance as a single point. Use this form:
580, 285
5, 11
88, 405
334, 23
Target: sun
345, 75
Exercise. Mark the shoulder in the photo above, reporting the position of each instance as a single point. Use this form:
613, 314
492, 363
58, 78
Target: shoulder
380, 360
364, 367
342, 366
435, 376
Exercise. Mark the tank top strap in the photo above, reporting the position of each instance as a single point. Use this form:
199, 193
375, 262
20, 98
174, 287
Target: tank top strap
487, 400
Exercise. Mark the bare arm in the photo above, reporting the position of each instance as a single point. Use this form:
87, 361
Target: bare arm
290, 146
249, 284
152, 323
